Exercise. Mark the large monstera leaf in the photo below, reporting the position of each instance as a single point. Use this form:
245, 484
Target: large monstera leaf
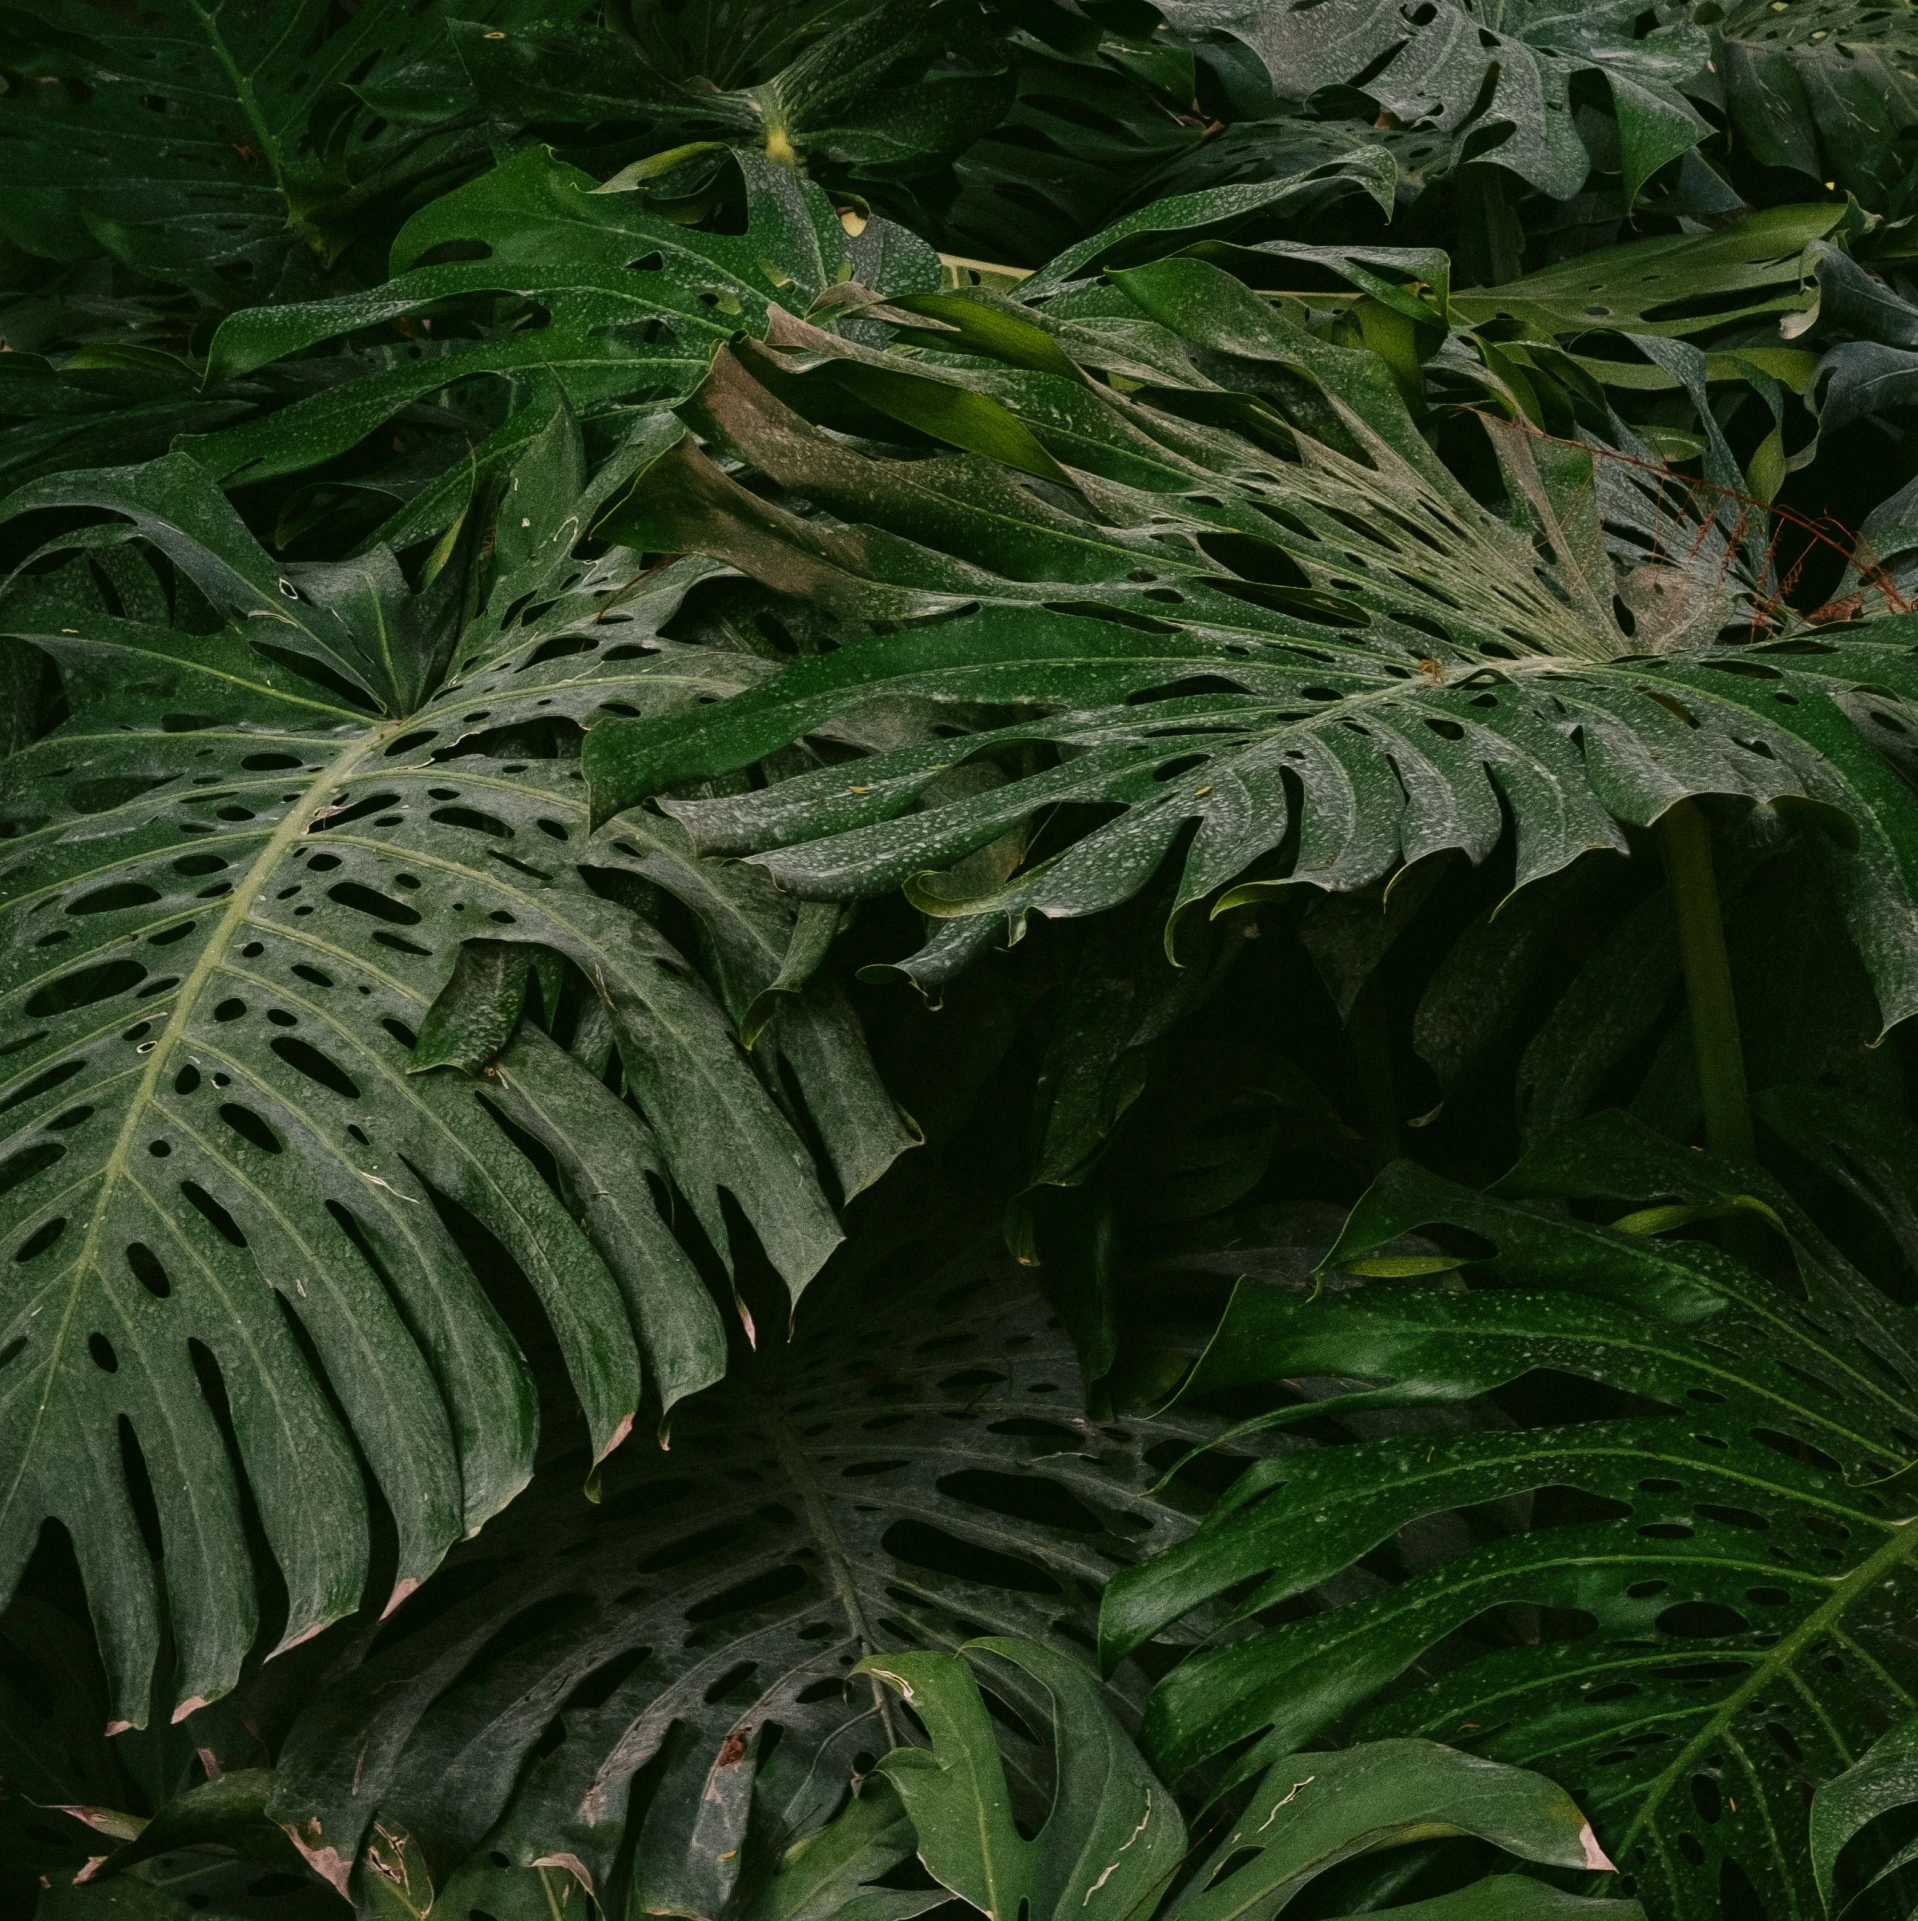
240, 873
205, 140
1500, 70
1297, 653
658, 1694
1716, 1576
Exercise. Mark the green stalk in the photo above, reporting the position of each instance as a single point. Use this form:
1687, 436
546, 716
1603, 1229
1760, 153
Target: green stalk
1686, 842
1489, 240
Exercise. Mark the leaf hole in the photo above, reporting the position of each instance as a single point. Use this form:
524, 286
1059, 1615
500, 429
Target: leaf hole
1702, 1621
308, 1060
42, 1084
83, 989
24, 1166
42, 1238
251, 1127
933, 1549
363, 900
213, 1213
774, 1585
146, 1269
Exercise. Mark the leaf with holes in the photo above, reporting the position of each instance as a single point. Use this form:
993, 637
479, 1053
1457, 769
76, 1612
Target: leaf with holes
239, 877
1508, 84
1278, 671
1113, 1841
1825, 88
223, 144
680, 1660
1724, 1562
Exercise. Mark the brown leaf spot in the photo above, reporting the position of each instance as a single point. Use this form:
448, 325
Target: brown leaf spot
327, 1862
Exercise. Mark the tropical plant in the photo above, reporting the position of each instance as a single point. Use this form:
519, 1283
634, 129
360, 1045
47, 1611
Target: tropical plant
958, 958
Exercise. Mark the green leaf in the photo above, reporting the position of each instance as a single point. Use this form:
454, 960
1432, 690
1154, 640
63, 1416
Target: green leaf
615, 1166
1514, 1897
638, 303
1178, 221
396, 1883
1369, 632
1449, 67
829, 1874
239, 877
1741, 1567
1868, 1147
228, 1814
1824, 87
118, 1901
1113, 1834
558, 71
1883, 1778
1667, 284
215, 145
1315, 1810
679, 1659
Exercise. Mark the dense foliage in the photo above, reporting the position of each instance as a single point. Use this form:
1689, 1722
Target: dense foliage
957, 957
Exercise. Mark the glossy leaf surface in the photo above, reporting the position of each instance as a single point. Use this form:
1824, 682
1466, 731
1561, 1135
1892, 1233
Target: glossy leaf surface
240, 876
1730, 1569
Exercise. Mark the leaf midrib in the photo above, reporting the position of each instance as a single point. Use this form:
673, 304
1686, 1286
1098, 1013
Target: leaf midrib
248, 100
238, 908
845, 1581
1775, 1660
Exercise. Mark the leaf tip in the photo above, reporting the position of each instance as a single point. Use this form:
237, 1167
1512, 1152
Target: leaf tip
299, 1639
618, 1435
1595, 1857
401, 1589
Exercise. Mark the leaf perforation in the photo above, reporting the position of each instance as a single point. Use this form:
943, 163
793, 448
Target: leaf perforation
420, 1367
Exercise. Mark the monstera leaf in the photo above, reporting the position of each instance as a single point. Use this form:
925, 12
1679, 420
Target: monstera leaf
1295, 653
636, 304
1723, 1559
1825, 88
1884, 1778
205, 140
286, 801
658, 1696
1113, 1840
1500, 71
894, 86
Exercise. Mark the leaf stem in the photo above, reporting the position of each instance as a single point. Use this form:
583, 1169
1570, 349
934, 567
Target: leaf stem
1489, 242
1686, 842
